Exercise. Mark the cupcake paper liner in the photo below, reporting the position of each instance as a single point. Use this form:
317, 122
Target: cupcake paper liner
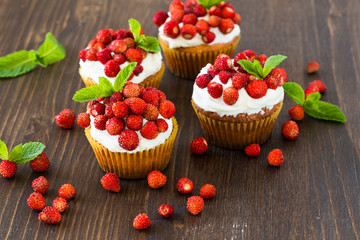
237, 135
134, 165
187, 62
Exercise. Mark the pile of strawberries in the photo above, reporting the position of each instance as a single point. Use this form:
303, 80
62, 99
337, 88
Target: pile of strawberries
225, 70
186, 19
113, 49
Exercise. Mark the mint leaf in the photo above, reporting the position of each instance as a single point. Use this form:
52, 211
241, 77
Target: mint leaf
249, 67
29, 151
15, 153
88, 93
123, 76
272, 62
106, 87
3, 151
17, 63
135, 28
258, 68
295, 92
209, 3
149, 44
51, 50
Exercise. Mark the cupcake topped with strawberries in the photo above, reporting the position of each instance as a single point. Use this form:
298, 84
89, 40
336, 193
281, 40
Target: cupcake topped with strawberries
131, 128
241, 98
193, 33
112, 50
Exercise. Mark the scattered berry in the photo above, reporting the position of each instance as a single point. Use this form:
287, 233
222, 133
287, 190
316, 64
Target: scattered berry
199, 146
290, 130
83, 120
195, 205
8, 169
320, 85
312, 67
171, 29
40, 185
161, 125
156, 179
166, 210
203, 80
50, 215
65, 119
160, 18
188, 31
167, 109
276, 157
253, 150
215, 89
111, 182
207, 191
141, 222
256, 89
111, 68
67, 191
41, 163
60, 204
230, 96
226, 25
149, 131
202, 26
115, 125
296, 113
36, 201
185, 186
128, 139
208, 37
312, 88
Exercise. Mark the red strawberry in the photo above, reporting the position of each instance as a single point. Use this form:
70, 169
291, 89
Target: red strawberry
151, 113
111, 182
214, 21
82, 55
83, 120
276, 157
199, 10
130, 42
50, 215
262, 59
41, 163
161, 125
208, 37
151, 96
189, 6
65, 119
141, 222
116, 97
290, 130
100, 122
171, 29
92, 43
203, 80
136, 105
185, 186
213, 71
138, 69
131, 90
215, 89
67, 191
231, 95
115, 125
195, 205
226, 25
239, 80
119, 58
120, 109
189, 19
99, 46
118, 46
149, 131
312, 88
188, 31
60, 204
166, 210
215, 10
223, 62
40, 185
224, 76
207, 191
167, 109
91, 54
104, 36
296, 113
120, 34
134, 122
227, 12
111, 68
271, 82
97, 109
253, 150
199, 146
128, 139
320, 85
250, 54
280, 74
104, 56
177, 15
160, 18
256, 89
161, 95
312, 67
134, 55
36, 201
202, 27
8, 169
156, 179
237, 19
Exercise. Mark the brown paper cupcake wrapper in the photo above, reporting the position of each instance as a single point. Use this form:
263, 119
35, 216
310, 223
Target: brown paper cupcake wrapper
187, 62
137, 164
151, 81
237, 135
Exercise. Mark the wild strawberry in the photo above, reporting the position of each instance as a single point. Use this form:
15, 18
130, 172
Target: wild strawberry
151, 96
120, 34
90, 104
199, 10
8, 169
167, 109
239, 80
136, 105
253, 150
237, 58
111, 68
104, 56
160, 18
280, 74
189, 6
119, 58
195, 205
276, 157
202, 27
104, 36
199, 146
130, 42
118, 46
41, 163
138, 69
156, 179
188, 31
262, 59
177, 15
65, 119
290, 130
100, 122
225, 4
208, 37
111, 182
91, 54
82, 55
60, 204
213, 71
36, 201
120, 109
230, 96
215, 89
161, 95
227, 12
97, 109
83, 120
250, 54
92, 43
67, 191
312, 67
50, 215
203, 80
166, 210
207, 191
312, 88
149, 131
256, 89
134, 55
131, 90
116, 97
189, 19
40, 185
128, 139
214, 21
237, 19
215, 11
320, 85
151, 113
115, 125
171, 29
134, 122
271, 81
185, 186
161, 125
296, 113
226, 25
224, 76
223, 62
141, 222
99, 46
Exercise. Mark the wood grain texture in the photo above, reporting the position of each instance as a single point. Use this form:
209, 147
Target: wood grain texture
313, 195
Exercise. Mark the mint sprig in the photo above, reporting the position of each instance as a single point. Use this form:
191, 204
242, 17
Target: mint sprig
21, 62
105, 88
209, 3
312, 104
256, 69
147, 43
21, 153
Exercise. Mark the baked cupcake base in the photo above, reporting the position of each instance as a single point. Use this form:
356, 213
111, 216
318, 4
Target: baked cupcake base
134, 165
186, 62
151, 81
237, 133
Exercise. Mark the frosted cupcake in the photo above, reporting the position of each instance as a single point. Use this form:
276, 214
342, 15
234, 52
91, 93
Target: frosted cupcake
238, 101
132, 129
192, 35
111, 51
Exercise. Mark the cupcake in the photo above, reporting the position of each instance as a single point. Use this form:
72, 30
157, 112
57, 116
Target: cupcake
192, 35
131, 129
238, 101
111, 51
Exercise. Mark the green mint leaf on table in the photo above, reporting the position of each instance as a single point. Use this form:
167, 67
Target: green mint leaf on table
15, 153
3, 150
272, 62
123, 76
209, 3
30, 151
148, 43
294, 92
51, 50
88, 93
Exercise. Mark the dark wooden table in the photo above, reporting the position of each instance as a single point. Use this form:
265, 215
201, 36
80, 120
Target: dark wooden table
315, 194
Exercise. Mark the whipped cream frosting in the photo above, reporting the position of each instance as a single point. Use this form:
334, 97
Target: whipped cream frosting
197, 40
111, 141
245, 103
95, 69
